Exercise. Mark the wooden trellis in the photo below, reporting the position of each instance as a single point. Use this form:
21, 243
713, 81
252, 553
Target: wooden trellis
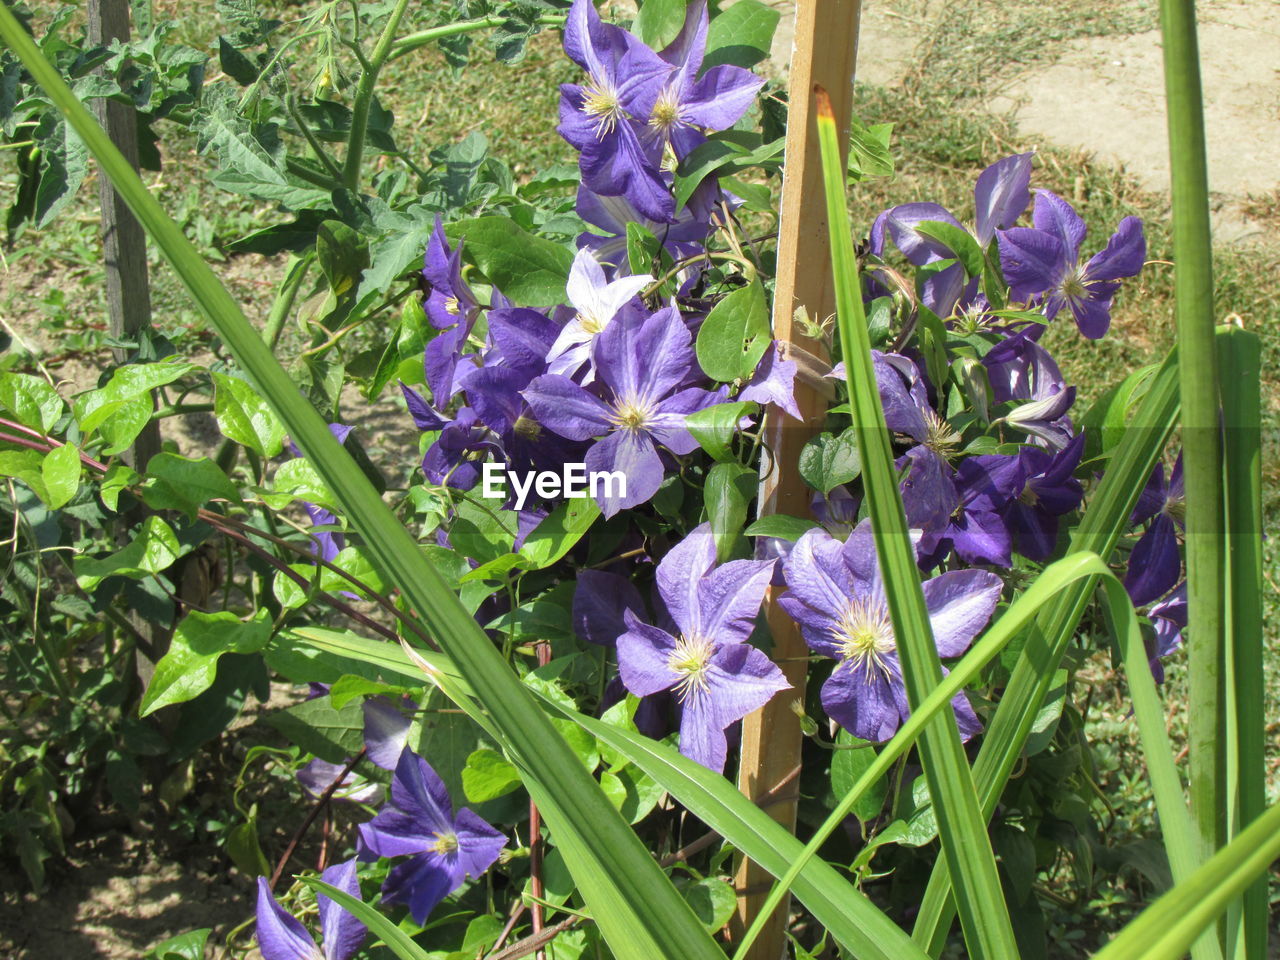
824, 54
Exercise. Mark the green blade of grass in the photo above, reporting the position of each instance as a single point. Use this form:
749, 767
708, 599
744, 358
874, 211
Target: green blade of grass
1053, 581
1104, 521
639, 911
961, 826
1168, 927
1207, 732
1239, 357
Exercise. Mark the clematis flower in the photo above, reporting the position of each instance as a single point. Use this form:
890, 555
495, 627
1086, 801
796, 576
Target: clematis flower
836, 594
642, 364
282, 937
386, 731
1155, 562
449, 299
1019, 369
716, 675
598, 117
444, 848
977, 531
596, 301
683, 239
680, 106
1000, 197
1048, 491
774, 382
1169, 617
1044, 261
325, 543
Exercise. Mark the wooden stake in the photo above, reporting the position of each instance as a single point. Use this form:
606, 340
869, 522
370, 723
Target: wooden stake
825, 51
124, 243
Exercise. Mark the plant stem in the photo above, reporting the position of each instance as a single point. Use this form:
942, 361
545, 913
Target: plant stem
415, 40
364, 96
1201, 442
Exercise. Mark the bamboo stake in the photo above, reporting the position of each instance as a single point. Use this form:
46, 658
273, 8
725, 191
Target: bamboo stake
824, 53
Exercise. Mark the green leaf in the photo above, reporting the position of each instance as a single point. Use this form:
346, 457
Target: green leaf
658, 22
179, 483
117, 477
31, 401
966, 846
27, 466
189, 667
245, 850
342, 255
556, 535
847, 765
782, 526
741, 35
714, 427
61, 474
152, 551
245, 417
712, 899
642, 249
729, 490
185, 946
736, 332
827, 461
316, 726
869, 153
958, 240
396, 940
488, 775
526, 268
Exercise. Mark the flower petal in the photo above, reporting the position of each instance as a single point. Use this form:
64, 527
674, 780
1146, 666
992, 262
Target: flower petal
565, 408
960, 603
1001, 195
343, 933
280, 935
642, 657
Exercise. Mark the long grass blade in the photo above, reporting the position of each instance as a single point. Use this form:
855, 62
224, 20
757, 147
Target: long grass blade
1201, 440
1053, 581
1239, 357
1167, 928
1105, 520
639, 911
961, 827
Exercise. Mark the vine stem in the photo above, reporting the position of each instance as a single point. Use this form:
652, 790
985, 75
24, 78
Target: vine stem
415, 40
321, 804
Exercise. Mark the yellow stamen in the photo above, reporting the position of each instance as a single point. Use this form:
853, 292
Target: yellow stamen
690, 659
865, 636
600, 101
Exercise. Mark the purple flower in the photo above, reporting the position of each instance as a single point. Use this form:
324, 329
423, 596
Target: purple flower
596, 301
282, 937
386, 731
1000, 196
681, 105
642, 364
774, 382
444, 848
836, 595
327, 543
1044, 261
600, 602
1169, 617
717, 676
1019, 369
1155, 562
1048, 490
449, 299
598, 117
977, 531
682, 239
